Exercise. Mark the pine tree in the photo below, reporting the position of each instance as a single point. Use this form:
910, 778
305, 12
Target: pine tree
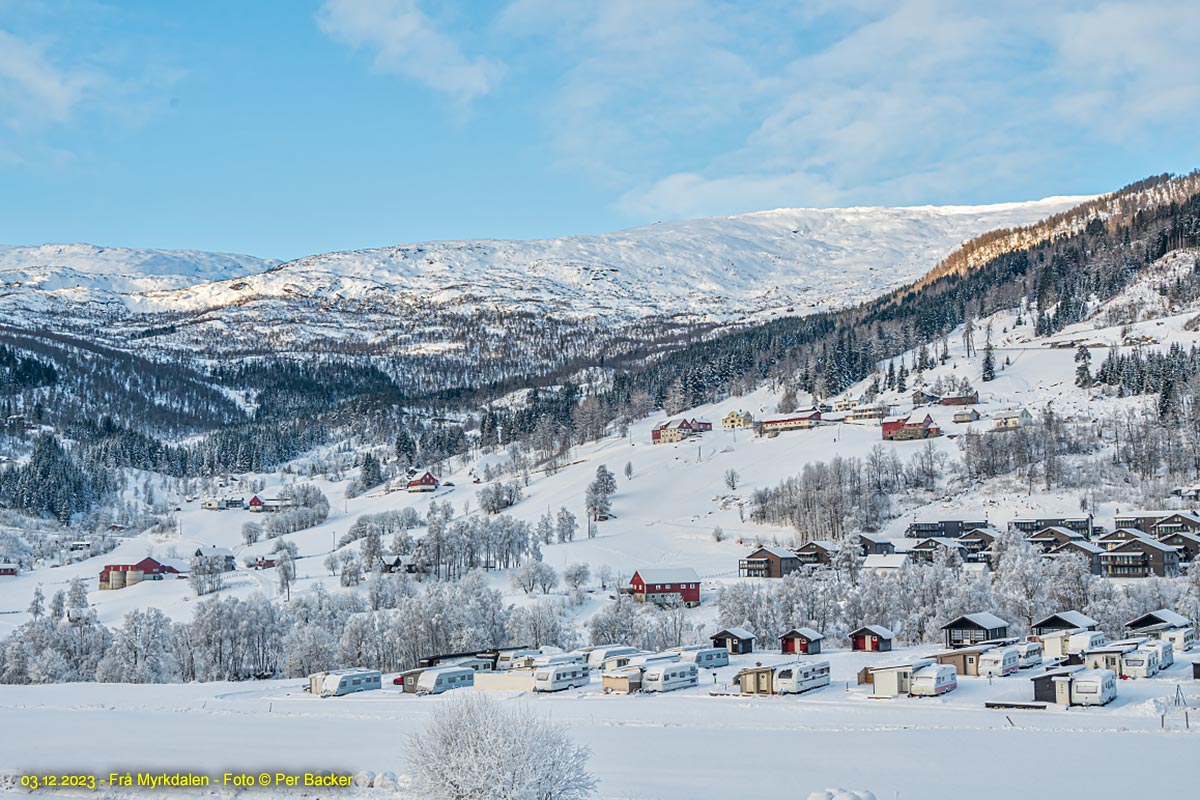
989, 364
902, 378
1083, 372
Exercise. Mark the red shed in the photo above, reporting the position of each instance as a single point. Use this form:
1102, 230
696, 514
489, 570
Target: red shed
871, 637
666, 586
801, 640
256, 503
8, 569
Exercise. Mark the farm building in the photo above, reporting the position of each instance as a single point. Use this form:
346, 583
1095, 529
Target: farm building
874, 638
8, 569
256, 505
118, 576
666, 586
968, 398
804, 641
800, 420
1064, 621
1011, 420
768, 561
737, 419
425, 482
971, 629
867, 413
228, 560
910, 427
700, 425
738, 641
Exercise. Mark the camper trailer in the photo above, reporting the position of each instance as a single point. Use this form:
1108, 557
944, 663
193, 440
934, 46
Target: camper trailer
999, 661
801, 676
601, 653
706, 657
933, 680
508, 658
1093, 687
436, 680
557, 658
1086, 640
1165, 650
343, 681
1141, 663
668, 677
556, 677
1030, 654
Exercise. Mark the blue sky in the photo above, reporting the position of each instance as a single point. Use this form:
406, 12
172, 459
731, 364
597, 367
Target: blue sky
286, 128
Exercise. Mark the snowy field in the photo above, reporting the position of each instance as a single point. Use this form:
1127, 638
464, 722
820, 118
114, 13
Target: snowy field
651, 747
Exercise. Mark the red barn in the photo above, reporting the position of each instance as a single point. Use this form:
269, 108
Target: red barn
8, 569
700, 425
423, 483
910, 428
666, 586
871, 637
805, 641
118, 576
256, 503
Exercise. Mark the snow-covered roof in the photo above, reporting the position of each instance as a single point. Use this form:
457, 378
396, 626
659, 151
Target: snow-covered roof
781, 552
874, 538
1188, 515
1060, 530
668, 575
878, 630
807, 633
213, 550
739, 633
983, 619
825, 544
1153, 544
881, 561
1078, 544
989, 531
1124, 533
7, 565
1161, 616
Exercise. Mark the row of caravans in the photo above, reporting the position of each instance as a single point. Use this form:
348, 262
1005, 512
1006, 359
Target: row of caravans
793, 677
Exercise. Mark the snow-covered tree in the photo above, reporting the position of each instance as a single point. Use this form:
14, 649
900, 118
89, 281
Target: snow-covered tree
141, 651
576, 575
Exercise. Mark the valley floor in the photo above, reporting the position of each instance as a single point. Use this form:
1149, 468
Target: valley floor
661, 747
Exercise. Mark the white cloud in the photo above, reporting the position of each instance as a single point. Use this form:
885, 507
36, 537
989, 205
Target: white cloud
406, 41
34, 92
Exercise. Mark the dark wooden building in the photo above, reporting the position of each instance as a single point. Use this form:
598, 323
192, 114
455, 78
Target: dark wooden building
971, 629
768, 561
816, 552
872, 544
738, 641
1188, 544
1140, 558
1027, 525
1063, 621
942, 528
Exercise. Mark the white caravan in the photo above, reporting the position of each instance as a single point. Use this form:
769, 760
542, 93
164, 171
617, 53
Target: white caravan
706, 657
1086, 640
801, 676
1165, 650
436, 680
1030, 654
933, 680
507, 659
556, 677
344, 681
1141, 663
1093, 687
999, 661
668, 677
601, 653
558, 658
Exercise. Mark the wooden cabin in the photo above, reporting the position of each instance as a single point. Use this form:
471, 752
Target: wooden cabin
965, 660
872, 638
756, 680
801, 640
971, 629
1064, 621
738, 641
768, 561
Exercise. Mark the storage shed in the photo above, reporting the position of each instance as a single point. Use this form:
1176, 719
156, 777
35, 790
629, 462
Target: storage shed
801, 640
875, 638
965, 660
738, 641
622, 681
756, 680
971, 629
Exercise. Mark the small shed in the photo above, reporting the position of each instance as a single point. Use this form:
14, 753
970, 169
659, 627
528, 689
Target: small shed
1196, 670
738, 641
8, 569
896, 679
971, 629
622, 681
965, 660
873, 638
1054, 686
801, 640
756, 680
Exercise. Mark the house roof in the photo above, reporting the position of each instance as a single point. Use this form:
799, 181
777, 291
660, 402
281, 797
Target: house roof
807, 633
775, 550
878, 630
1189, 516
1078, 544
1060, 530
944, 541
1140, 543
668, 575
878, 561
982, 619
1124, 533
737, 633
1074, 619
991, 532
1163, 616
824, 544
874, 538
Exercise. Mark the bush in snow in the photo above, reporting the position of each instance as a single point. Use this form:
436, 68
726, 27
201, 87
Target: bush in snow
474, 749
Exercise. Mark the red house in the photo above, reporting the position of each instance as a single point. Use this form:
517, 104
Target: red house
805, 641
700, 425
424, 483
118, 576
872, 638
666, 586
902, 428
256, 504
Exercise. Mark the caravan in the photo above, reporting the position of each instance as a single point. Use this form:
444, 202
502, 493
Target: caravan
801, 676
999, 661
1086, 640
556, 677
508, 658
1093, 687
670, 676
601, 653
933, 680
436, 680
1141, 663
1030, 654
344, 681
1165, 650
557, 658
706, 657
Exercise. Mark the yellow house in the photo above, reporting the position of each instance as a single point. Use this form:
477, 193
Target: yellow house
737, 419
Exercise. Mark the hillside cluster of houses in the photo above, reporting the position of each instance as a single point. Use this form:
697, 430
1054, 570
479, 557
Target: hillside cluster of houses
256, 504
1142, 544
676, 430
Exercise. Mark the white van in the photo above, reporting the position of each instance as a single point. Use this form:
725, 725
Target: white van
1140, 663
436, 680
506, 659
1086, 640
801, 676
933, 680
1093, 687
999, 661
601, 653
1030, 654
344, 681
668, 677
706, 657
556, 677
